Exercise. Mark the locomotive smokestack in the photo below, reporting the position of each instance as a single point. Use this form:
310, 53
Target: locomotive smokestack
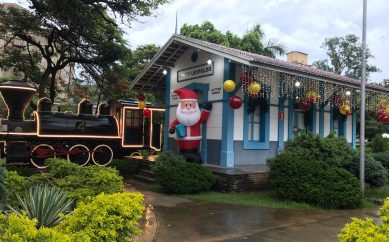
16, 95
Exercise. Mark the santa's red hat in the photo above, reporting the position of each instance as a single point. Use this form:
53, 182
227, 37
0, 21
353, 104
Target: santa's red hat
186, 94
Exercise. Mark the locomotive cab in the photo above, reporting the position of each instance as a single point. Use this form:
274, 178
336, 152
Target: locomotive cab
138, 130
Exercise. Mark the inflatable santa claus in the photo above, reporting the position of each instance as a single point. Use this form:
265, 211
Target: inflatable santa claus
187, 124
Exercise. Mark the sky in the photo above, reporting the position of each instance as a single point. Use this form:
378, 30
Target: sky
301, 25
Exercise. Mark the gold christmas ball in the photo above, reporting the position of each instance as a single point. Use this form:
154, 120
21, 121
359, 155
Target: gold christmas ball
141, 105
229, 86
254, 88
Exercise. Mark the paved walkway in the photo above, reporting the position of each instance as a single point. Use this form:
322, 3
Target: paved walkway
177, 219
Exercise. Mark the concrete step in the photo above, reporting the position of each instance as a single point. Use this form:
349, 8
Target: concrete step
145, 179
146, 172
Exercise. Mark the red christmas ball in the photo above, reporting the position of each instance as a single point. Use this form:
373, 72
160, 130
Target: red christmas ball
304, 105
384, 119
141, 98
235, 102
146, 112
380, 113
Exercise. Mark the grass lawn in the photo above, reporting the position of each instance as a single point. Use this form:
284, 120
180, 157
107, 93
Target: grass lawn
260, 199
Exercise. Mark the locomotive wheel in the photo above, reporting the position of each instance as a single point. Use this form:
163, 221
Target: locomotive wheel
79, 154
102, 155
40, 153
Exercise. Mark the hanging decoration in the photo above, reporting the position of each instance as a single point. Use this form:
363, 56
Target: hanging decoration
345, 109
254, 88
229, 86
304, 105
235, 102
141, 102
337, 101
146, 112
313, 97
383, 112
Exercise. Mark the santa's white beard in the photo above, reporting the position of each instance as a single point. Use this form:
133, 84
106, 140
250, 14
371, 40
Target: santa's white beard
188, 117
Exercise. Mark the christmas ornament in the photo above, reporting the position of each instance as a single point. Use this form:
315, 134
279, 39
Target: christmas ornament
229, 86
383, 112
304, 105
146, 112
337, 101
254, 88
235, 102
313, 97
141, 105
141, 97
345, 109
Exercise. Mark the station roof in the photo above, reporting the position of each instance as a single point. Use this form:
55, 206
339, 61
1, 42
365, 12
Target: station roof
151, 79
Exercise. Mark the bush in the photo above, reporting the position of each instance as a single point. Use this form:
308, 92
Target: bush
45, 204
300, 179
379, 143
106, 218
80, 182
18, 227
331, 150
16, 185
178, 176
126, 168
382, 157
367, 230
375, 173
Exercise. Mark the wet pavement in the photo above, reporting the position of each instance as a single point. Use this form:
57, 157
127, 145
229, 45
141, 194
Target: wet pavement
178, 219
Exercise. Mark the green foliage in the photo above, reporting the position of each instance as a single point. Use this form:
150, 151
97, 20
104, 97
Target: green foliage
303, 179
178, 176
331, 150
16, 185
80, 182
126, 168
345, 57
382, 157
379, 143
252, 41
45, 204
106, 218
375, 173
367, 230
20, 228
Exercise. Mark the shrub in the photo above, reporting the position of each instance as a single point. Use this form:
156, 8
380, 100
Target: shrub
106, 218
367, 230
16, 185
375, 173
382, 157
178, 176
126, 168
304, 180
332, 150
44, 204
80, 182
379, 143
19, 227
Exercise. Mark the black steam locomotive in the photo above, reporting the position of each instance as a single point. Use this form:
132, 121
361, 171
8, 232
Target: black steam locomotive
118, 129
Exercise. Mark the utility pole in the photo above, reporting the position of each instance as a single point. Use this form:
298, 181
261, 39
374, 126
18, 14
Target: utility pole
363, 96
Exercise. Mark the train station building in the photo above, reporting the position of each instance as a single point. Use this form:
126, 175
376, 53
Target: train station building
289, 97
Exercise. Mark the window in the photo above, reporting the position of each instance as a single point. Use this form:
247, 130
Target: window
256, 123
134, 119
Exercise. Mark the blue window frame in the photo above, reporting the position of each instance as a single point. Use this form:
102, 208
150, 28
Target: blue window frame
256, 126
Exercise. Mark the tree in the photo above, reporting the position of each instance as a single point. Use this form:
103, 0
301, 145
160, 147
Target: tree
345, 57
74, 32
252, 41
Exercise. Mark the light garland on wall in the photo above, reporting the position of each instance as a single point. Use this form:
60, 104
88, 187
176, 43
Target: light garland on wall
298, 87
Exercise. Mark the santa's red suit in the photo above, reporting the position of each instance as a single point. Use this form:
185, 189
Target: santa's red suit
193, 133
189, 116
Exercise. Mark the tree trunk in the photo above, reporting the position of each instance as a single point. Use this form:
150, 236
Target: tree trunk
52, 86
